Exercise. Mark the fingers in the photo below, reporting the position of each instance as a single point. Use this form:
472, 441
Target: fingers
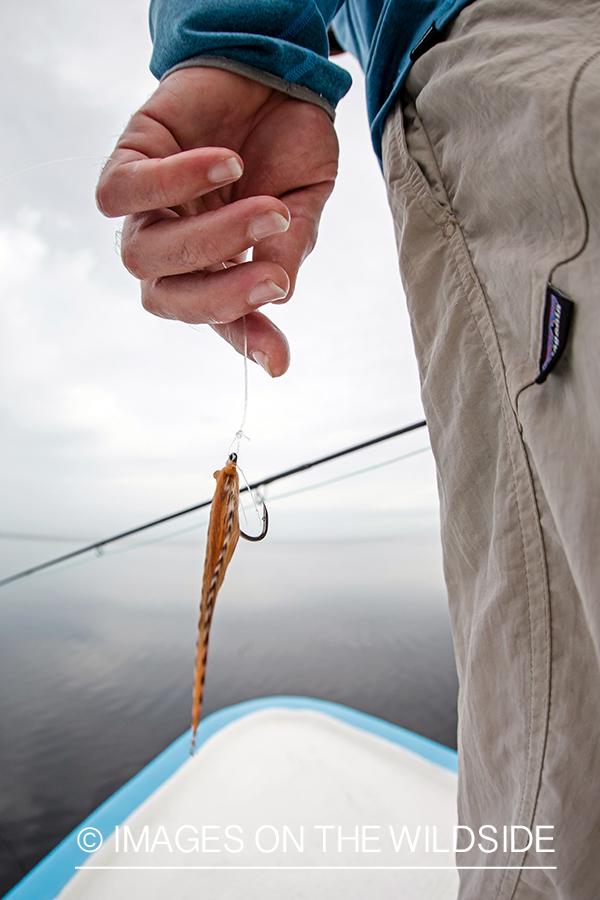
162, 243
132, 183
266, 344
179, 263
191, 209
215, 298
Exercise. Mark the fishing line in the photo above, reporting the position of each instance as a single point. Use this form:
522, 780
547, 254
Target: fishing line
240, 433
51, 162
251, 492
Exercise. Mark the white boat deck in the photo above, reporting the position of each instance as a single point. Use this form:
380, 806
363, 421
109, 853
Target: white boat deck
283, 803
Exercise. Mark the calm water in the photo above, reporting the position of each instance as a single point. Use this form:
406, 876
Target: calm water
96, 661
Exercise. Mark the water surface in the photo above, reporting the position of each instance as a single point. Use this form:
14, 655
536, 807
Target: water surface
96, 660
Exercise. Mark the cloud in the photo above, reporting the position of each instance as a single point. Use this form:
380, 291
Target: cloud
110, 416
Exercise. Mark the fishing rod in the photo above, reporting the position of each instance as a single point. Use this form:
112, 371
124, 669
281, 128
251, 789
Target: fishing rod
98, 546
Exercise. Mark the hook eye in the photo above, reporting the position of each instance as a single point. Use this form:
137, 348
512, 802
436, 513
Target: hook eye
265, 528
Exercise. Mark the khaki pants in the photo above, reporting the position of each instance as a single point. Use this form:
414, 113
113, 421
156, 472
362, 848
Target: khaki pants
492, 161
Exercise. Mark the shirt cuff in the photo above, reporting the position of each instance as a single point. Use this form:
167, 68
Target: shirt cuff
297, 91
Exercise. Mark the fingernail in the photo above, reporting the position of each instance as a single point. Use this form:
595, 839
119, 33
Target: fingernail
263, 360
225, 170
265, 292
268, 224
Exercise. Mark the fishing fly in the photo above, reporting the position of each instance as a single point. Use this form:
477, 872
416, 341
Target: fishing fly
223, 534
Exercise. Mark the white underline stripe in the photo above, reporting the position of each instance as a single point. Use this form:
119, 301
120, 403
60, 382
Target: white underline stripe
299, 868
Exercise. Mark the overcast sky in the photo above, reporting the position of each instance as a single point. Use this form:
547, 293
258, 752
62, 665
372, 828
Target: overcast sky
109, 416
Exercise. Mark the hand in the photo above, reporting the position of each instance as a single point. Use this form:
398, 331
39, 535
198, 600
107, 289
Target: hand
212, 165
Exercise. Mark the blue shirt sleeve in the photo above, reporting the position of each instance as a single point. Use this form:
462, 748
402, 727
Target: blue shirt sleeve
287, 38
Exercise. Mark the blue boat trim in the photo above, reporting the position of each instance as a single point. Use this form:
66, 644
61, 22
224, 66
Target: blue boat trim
50, 876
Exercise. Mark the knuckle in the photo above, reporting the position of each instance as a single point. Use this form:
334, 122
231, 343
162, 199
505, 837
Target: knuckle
131, 258
149, 302
109, 190
104, 199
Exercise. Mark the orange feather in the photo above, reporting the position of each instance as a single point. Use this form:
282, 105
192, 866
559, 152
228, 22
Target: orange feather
223, 535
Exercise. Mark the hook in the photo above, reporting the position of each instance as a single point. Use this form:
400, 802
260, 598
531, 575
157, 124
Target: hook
265, 528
